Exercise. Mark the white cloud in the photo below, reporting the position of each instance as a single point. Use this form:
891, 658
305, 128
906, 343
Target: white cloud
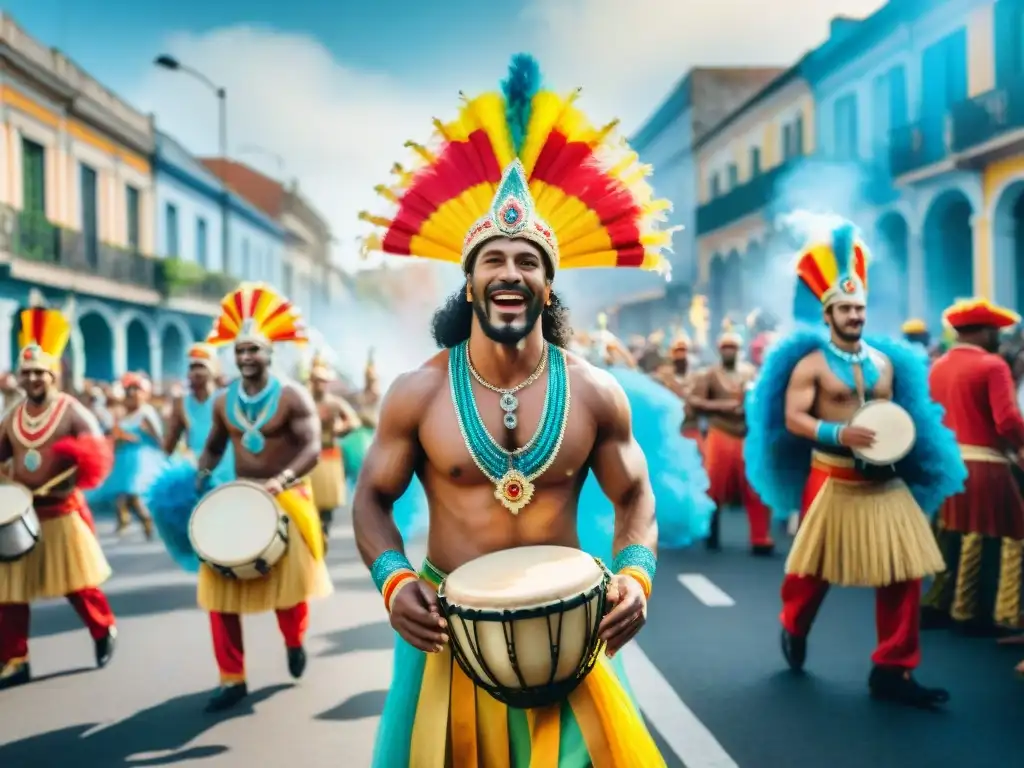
338, 129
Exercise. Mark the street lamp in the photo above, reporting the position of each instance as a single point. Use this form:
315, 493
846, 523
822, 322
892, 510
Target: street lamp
170, 63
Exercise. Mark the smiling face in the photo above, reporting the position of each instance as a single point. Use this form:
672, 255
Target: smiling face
37, 383
252, 359
199, 376
509, 285
846, 320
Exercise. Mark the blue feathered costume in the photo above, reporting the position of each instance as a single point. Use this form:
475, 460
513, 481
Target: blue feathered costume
862, 525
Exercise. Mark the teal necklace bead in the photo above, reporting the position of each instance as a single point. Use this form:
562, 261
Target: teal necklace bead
249, 414
512, 472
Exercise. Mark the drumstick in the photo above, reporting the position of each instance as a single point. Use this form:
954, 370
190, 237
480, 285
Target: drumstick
45, 488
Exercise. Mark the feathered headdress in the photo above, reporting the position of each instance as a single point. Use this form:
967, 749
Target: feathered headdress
255, 313
525, 163
320, 368
831, 272
729, 337
205, 355
979, 312
42, 338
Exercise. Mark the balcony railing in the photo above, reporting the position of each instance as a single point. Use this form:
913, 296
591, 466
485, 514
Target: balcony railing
988, 115
739, 201
29, 235
187, 279
916, 146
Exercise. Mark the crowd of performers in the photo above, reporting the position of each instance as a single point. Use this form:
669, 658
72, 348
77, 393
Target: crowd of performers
523, 437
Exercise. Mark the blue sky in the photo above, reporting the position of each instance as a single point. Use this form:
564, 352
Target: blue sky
327, 92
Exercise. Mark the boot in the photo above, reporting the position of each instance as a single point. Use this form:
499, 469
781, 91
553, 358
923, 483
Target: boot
794, 650
227, 696
15, 673
105, 647
296, 661
899, 686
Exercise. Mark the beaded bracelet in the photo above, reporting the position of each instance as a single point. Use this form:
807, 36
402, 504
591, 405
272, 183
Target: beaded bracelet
390, 571
827, 432
637, 561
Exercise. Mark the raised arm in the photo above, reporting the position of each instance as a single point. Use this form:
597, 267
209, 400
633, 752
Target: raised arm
800, 396
175, 426
217, 440
389, 464
304, 424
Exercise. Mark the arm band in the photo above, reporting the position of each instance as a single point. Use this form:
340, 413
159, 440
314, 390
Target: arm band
637, 561
390, 572
827, 432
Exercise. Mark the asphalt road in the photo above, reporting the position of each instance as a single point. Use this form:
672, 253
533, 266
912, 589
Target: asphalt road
707, 672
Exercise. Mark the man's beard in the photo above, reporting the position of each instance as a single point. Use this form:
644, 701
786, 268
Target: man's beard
850, 335
680, 366
38, 398
508, 334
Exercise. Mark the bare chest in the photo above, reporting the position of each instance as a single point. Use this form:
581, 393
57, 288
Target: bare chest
33, 462
727, 385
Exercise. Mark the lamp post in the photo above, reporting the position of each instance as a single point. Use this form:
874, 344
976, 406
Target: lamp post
170, 63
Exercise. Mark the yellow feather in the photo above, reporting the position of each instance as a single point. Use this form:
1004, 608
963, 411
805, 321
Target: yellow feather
489, 111
443, 130
427, 156
387, 194
545, 110
377, 221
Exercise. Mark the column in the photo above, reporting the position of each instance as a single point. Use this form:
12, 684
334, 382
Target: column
982, 268
120, 333
917, 298
7, 309
156, 359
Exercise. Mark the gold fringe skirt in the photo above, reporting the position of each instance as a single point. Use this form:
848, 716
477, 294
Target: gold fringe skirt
328, 479
860, 533
67, 559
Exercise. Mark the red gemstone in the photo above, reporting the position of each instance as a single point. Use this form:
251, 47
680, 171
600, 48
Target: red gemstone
513, 490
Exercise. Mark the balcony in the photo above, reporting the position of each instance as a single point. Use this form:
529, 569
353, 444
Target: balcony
29, 237
990, 122
740, 201
919, 145
180, 279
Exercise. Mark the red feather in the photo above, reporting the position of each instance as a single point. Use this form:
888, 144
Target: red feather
92, 454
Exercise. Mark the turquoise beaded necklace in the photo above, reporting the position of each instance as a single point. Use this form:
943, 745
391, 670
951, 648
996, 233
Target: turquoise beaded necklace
251, 413
512, 472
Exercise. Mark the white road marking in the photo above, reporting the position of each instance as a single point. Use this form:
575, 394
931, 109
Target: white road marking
685, 735
705, 590
130, 545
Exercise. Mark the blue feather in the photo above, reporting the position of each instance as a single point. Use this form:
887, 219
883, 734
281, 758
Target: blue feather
778, 462
842, 247
806, 306
170, 499
522, 84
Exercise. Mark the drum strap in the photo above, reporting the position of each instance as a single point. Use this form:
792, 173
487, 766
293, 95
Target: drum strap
858, 382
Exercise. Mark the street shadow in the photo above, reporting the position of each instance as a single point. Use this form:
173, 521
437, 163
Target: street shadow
165, 728
364, 584
358, 707
366, 637
57, 619
62, 673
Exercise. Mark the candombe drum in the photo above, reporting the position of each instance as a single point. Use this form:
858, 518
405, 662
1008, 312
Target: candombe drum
239, 530
523, 622
19, 524
895, 433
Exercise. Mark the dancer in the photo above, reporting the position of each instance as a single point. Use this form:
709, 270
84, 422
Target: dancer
980, 531
138, 456
56, 449
678, 377
862, 525
719, 394
273, 427
504, 373
337, 419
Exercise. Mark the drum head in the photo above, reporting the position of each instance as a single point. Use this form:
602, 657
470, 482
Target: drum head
895, 433
15, 500
233, 524
522, 577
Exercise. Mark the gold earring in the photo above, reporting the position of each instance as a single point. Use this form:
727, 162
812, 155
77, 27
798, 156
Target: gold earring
469, 293
548, 302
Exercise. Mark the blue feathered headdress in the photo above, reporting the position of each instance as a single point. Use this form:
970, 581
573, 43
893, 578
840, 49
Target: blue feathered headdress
836, 270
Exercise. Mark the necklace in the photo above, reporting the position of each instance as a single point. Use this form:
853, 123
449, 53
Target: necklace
509, 402
250, 413
512, 472
35, 431
842, 364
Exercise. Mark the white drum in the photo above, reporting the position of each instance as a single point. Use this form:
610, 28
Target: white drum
523, 622
19, 524
239, 530
895, 433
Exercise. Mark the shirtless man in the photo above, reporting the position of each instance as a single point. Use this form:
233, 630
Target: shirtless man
273, 428
719, 395
504, 329
861, 525
677, 376
337, 419
55, 448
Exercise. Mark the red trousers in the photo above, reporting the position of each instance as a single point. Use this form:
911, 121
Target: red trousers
90, 604
727, 474
897, 606
227, 638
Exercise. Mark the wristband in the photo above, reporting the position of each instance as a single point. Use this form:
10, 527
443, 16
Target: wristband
636, 557
390, 562
395, 582
827, 433
640, 576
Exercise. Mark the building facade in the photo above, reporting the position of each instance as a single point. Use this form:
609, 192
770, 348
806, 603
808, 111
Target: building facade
77, 209
638, 302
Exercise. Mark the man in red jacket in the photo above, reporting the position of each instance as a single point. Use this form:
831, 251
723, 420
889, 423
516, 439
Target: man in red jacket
980, 531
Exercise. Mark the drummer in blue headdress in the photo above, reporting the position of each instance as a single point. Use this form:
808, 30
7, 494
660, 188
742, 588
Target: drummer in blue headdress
863, 524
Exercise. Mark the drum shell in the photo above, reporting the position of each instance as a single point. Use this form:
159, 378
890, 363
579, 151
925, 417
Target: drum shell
539, 674
19, 537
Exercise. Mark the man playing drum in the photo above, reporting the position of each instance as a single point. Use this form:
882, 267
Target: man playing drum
861, 524
463, 422
718, 395
980, 531
56, 448
272, 426
337, 419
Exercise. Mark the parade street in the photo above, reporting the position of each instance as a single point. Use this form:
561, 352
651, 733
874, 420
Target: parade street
707, 672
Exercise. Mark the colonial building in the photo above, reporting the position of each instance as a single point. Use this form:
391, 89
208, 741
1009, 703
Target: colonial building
639, 301
77, 204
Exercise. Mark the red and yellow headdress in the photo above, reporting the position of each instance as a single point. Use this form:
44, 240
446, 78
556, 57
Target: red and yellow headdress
43, 336
832, 272
979, 312
256, 314
205, 355
914, 327
525, 163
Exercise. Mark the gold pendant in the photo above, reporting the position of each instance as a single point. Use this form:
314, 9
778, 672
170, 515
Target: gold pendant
514, 491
